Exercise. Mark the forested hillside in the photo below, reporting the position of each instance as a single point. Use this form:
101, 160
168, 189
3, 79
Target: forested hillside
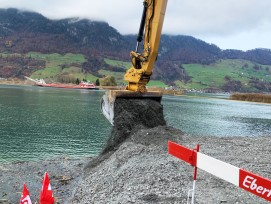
181, 58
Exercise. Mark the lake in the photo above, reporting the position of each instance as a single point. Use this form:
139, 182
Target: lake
39, 123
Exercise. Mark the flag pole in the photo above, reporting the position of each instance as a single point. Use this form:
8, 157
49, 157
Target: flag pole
192, 191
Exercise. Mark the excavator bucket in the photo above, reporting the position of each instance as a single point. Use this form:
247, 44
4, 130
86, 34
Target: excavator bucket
109, 99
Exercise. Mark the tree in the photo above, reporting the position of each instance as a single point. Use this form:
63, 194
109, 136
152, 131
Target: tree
108, 81
77, 81
97, 82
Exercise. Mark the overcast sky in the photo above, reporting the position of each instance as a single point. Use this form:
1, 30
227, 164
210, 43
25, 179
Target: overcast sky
230, 24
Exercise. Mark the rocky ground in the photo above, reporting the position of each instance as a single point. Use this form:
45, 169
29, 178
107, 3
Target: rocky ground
141, 171
64, 174
134, 166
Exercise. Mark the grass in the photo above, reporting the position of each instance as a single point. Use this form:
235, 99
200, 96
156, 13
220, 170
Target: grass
58, 59
48, 72
57, 64
118, 75
212, 75
254, 97
117, 63
205, 76
156, 83
202, 76
88, 77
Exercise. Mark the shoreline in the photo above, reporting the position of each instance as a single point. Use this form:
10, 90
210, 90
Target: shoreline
77, 181
29, 83
252, 97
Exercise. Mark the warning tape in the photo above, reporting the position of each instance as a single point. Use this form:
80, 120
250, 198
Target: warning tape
246, 180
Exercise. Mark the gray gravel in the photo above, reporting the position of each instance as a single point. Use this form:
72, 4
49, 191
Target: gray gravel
138, 169
141, 171
134, 166
64, 173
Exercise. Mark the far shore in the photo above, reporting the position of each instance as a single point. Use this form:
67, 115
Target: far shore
19, 82
250, 97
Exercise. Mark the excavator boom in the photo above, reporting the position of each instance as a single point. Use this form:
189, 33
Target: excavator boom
142, 62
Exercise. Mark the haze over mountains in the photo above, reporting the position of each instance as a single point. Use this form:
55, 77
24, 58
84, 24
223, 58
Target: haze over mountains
31, 31
23, 32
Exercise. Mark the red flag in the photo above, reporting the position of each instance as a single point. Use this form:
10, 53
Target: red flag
46, 194
183, 153
25, 197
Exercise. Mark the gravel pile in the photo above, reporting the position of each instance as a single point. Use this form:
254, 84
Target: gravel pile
138, 169
141, 171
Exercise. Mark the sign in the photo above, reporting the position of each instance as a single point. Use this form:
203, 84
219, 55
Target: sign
246, 180
255, 184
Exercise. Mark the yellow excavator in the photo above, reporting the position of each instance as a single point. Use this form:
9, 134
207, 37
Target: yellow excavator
142, 62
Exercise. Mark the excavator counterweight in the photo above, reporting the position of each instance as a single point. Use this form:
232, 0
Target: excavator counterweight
142, 62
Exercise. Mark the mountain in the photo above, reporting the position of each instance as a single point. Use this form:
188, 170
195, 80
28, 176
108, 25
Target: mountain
24, 32
28, 31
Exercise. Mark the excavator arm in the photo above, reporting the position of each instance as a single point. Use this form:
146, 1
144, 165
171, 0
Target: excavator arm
142, 62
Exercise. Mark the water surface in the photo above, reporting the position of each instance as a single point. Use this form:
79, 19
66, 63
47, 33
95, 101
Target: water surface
202, 116
38, 122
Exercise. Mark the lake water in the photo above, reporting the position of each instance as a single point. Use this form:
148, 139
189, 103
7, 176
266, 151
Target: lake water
38, 123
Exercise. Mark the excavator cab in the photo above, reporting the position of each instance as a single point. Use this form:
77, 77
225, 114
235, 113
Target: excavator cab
142, 62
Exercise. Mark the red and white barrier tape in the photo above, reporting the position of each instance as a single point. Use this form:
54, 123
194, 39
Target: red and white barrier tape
246, 180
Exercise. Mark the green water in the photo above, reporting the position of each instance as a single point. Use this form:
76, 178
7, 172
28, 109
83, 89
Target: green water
201, 116
38, 123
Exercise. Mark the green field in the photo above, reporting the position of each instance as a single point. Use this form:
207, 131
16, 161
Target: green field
202, 76
68, 65
205, 76
117, 63
55, 63
56, 59
158, 84
213, 75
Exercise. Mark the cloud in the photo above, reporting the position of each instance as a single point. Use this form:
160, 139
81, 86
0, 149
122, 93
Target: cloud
206, 19
191, 17
194, 17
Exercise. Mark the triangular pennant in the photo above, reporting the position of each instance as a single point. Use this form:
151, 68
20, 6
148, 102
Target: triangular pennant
46, 194
25, 197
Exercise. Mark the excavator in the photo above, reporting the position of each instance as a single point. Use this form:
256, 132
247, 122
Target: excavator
142, 61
